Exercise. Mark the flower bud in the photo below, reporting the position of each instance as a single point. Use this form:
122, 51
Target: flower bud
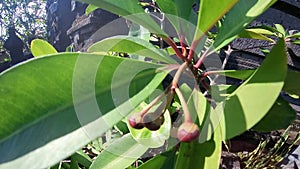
135, 121
152, 121
188, 132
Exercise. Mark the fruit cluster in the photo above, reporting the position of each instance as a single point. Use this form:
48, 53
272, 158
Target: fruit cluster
187, 131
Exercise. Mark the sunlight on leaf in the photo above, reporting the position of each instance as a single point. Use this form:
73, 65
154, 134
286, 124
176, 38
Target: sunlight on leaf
40, 47
120, 154
253, 99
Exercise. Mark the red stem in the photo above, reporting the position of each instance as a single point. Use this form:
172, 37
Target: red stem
193, 47
170, 42
201, 59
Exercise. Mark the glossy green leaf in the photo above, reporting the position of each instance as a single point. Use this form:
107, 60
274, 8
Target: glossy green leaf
40, 47
120, 154
153, 139
90, 9
162, 161
220, 92
254, 98
238, 17
210, 12
180, 14
248, 33
129, 9
60, 103
131, 45
182, 9
292, 83
237, 74
280, 116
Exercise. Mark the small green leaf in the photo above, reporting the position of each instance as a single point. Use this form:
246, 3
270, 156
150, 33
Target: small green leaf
248, 33
280, 116
82, 158
40, 47
262, 30
90, 9
297, 42
296, 35
254, 98
238, 17
280, 29
131, 45
120, 154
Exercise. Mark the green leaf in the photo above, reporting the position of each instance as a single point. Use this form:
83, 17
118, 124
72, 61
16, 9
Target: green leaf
297, 42
280, 29
237, 74
248, 33
262, 30
120, 154
292, 83
182, 9
65, 101
162, 161
153, 139
181, 15
205, 155
210, 12
129, 9
296, 35
40, 47
90, 9
220, 92
282, 112
132, 45
82, 158
74, 164
238, 17
254, 98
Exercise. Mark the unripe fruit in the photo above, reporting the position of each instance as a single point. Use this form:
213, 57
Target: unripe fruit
135, 121
152, 121
188, 132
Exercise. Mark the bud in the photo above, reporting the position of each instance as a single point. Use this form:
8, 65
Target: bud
188, 132
152, 121
135, 121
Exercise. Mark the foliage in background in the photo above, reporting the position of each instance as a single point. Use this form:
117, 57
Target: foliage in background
28, 17
49, 113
